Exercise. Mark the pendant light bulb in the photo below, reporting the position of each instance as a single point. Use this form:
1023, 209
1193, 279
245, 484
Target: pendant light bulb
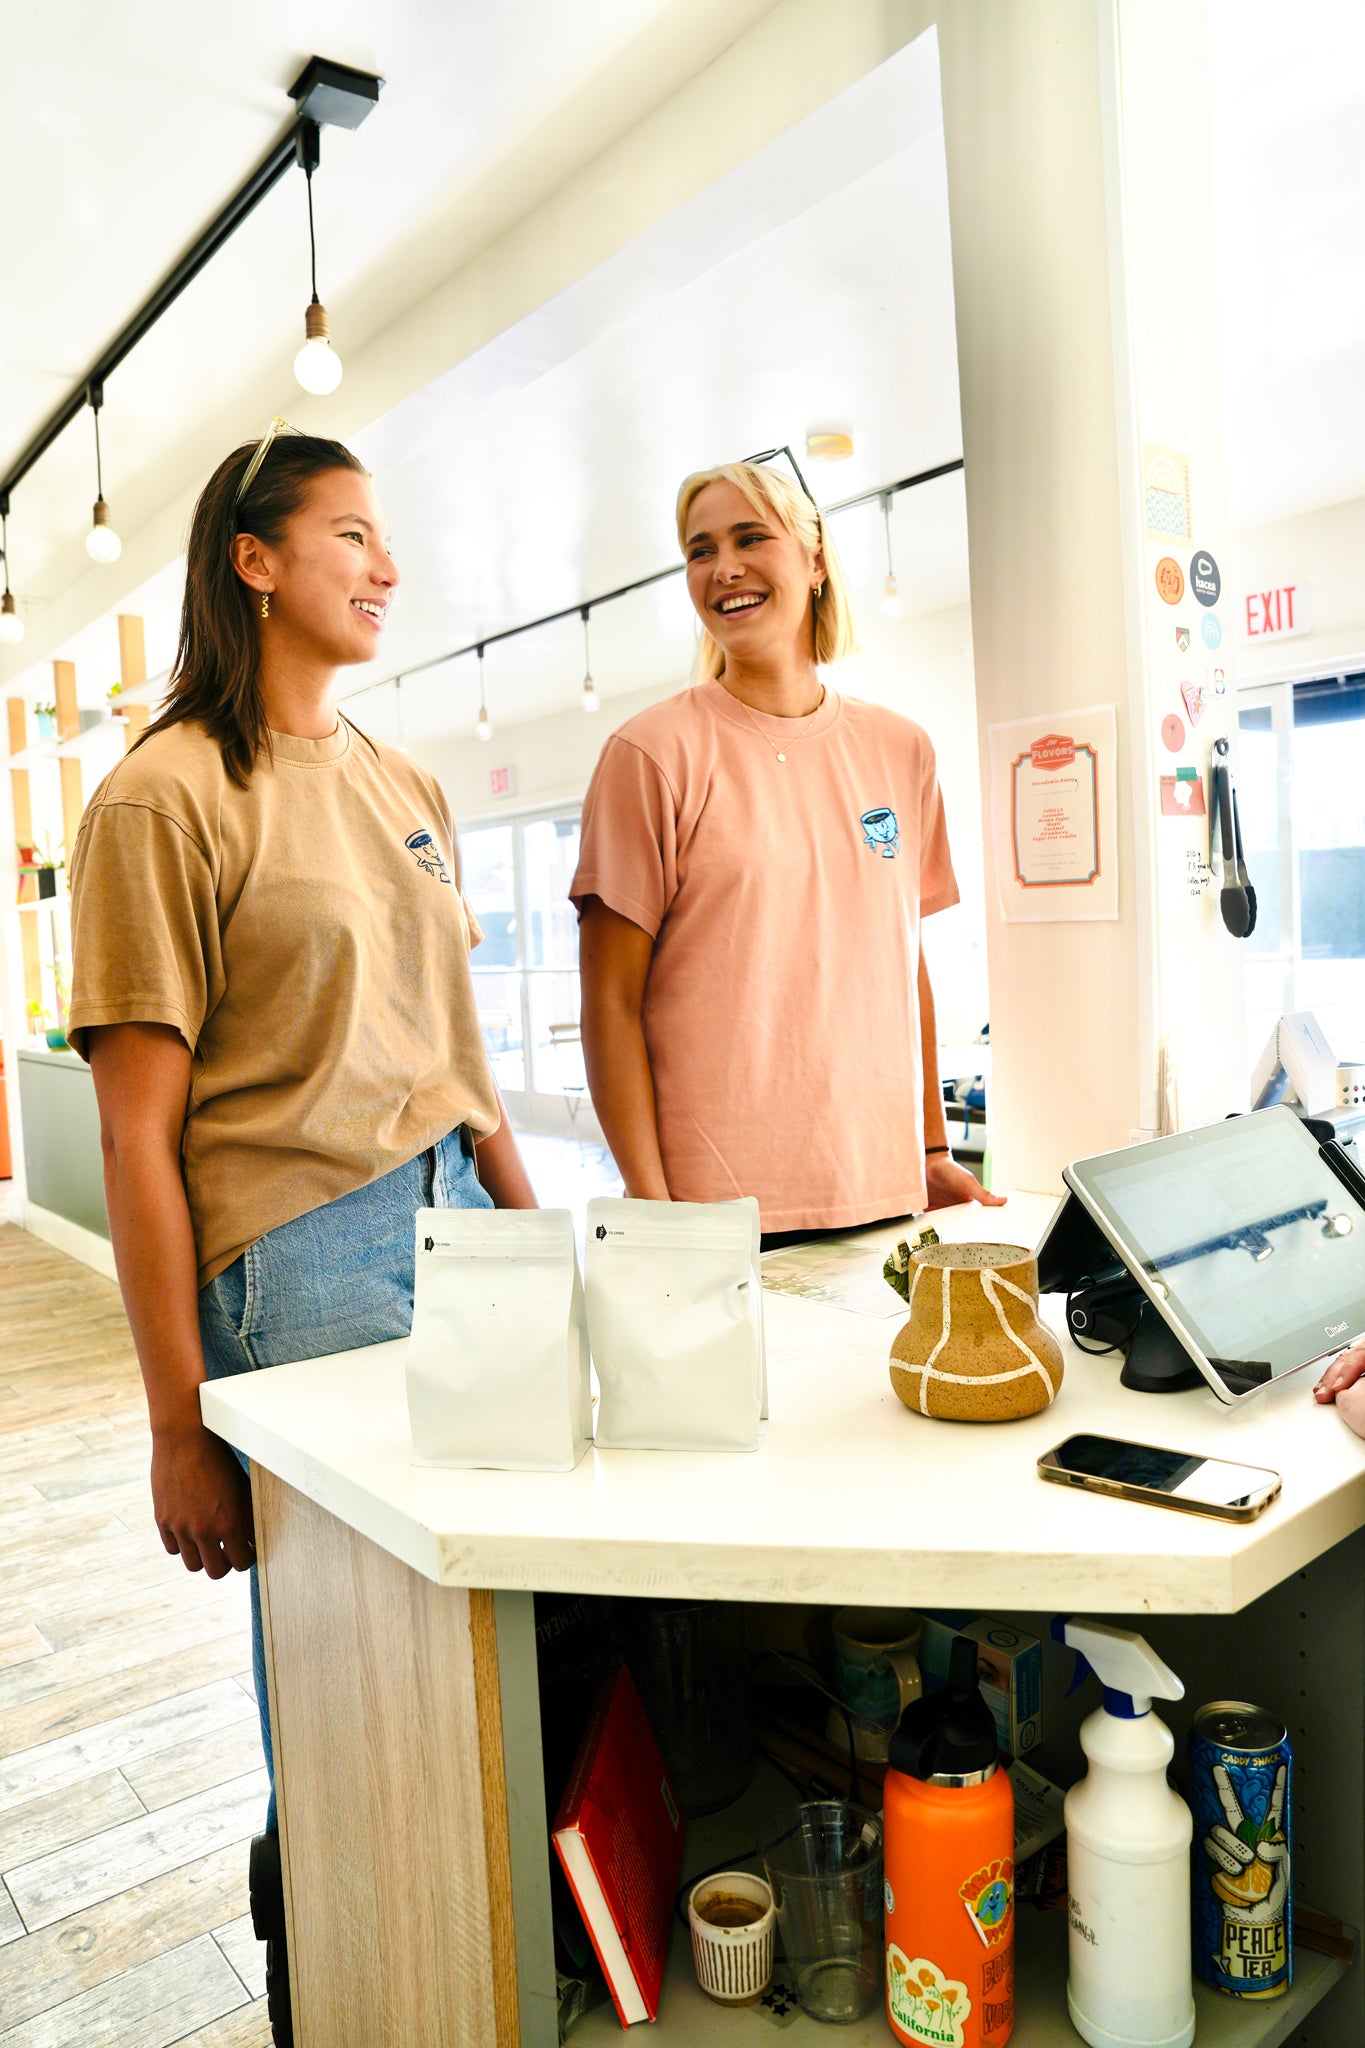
484, 726
102, 544
591, 701
317, 364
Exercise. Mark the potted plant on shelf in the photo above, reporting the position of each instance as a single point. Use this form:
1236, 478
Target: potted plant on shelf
46, 715
44, 864
111, 698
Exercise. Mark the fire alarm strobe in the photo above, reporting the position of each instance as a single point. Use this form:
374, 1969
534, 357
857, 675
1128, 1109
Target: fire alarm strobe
334, 95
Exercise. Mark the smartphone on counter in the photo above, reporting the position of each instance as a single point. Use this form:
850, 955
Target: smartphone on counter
1167, 1479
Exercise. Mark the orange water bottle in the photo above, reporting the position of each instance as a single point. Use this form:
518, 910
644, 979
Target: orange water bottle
949, 1871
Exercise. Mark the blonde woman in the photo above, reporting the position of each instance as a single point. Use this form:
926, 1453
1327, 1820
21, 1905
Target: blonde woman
758, 854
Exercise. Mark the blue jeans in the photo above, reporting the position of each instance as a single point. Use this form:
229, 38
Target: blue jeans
332, 1280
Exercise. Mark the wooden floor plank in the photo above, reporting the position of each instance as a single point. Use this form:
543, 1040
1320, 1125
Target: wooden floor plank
248, 2027
52, 1887
197, 1720
151, 2006
11, 1926
74, 1955
238, 1942
19, 1642
97, 1699
196, 1766
54, 1820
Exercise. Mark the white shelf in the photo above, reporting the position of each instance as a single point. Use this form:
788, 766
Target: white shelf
150, 692
34, 756
45, 902
689, 2019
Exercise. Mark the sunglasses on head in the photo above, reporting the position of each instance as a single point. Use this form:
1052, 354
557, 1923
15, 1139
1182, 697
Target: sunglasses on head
253, 468
771, 455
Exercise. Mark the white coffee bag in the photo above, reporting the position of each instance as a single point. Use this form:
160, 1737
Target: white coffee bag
675, 1315
497, 1368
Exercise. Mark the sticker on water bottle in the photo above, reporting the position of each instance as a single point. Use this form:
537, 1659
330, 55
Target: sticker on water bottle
890, 1897
929, 2006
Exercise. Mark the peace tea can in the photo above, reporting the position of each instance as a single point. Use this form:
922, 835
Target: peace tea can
1241, 1776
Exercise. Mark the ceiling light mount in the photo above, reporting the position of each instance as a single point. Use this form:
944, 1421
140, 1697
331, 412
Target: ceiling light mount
484, 727
11, 625
893, 606
102, 544
828, 444
591, 700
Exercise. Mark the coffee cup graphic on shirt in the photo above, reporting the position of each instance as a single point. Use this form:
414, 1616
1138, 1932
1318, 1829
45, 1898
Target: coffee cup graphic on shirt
882, 832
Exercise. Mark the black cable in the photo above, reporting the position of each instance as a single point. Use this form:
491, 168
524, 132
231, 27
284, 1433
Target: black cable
1082, 1344
312, 238
99, 471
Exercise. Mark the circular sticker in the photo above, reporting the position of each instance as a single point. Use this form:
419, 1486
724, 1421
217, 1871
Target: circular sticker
1170, 579
1173, 732
1220, 682
1212, 631
890, 1897
1205, 581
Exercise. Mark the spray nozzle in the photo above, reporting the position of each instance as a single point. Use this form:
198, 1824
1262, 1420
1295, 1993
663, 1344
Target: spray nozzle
1125, 1664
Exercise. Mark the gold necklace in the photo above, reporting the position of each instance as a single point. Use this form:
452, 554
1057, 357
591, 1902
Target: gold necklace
766, 736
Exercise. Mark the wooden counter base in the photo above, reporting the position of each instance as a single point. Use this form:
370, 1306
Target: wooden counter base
393, 1824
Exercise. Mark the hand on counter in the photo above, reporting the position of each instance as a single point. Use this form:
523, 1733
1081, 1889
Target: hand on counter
1343, 1383
202, 1502
947, 1184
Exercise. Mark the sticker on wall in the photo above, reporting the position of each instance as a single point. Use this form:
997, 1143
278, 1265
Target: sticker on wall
1219, 682
1196, 700
1182, 796
1205, 581
1212, 631
1172, 732
1170, 580
1166, 491
1182, 638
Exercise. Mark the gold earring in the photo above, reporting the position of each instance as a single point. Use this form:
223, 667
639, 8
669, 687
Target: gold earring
817, 590
265, 604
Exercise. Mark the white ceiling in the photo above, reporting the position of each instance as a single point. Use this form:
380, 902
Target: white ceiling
1289, 168
811, 288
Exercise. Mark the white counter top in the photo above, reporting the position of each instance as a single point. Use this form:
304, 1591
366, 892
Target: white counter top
851, 1498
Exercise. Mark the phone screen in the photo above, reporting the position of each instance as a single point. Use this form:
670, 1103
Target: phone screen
1181, 1474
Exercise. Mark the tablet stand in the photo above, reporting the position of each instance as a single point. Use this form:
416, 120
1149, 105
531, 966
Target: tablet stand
1077, 1259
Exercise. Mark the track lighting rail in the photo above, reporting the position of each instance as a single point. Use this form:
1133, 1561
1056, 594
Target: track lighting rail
417, 668
324, 92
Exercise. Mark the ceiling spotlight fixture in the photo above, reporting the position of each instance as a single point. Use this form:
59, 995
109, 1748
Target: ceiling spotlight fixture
892, 606
591, 700
102, 544
484, 727
11, 625
317, 364
825, 445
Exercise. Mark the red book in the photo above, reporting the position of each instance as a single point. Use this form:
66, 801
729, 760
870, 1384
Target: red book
619, 1836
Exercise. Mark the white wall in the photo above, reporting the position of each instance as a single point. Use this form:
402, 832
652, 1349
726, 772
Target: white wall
1325, 551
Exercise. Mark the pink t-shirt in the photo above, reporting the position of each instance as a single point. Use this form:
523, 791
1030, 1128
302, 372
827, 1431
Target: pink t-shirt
781, 1011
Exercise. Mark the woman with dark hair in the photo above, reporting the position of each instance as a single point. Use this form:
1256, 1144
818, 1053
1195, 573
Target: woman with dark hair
271, 984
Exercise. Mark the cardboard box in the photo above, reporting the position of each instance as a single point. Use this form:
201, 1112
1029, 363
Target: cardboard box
1009, 1666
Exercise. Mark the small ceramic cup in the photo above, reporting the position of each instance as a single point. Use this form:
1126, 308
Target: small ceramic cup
732, 1919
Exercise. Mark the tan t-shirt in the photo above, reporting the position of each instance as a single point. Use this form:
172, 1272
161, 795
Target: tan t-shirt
308, 938
781, 1012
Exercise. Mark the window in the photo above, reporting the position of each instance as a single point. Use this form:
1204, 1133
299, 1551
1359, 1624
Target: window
1302, 801
516, 876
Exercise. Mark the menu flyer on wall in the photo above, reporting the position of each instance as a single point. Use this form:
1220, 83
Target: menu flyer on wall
1054, 818
840, 1272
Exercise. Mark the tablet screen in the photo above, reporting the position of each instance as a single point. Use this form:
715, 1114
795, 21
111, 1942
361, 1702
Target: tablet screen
1257, 1247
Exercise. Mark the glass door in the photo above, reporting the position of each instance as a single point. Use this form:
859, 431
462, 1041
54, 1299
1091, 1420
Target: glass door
516, 876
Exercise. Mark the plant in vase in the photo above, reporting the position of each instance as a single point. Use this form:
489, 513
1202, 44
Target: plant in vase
45, 866
111, 698
37, 1022
46, 715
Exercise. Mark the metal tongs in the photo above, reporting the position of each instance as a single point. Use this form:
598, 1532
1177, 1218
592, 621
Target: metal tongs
1237, 898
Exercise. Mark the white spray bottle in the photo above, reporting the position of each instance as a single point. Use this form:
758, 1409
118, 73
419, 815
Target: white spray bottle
1128, 1855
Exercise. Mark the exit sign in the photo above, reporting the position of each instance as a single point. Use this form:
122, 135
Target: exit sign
502, 781
1278, 614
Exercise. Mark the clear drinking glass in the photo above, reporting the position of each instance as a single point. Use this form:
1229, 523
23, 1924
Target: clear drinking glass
824, 1863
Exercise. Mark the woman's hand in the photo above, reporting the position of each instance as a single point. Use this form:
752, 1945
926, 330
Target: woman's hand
947, 1184
202, 1502
1343, 1372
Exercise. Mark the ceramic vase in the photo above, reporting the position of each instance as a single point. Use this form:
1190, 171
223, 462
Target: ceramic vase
973, 1349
